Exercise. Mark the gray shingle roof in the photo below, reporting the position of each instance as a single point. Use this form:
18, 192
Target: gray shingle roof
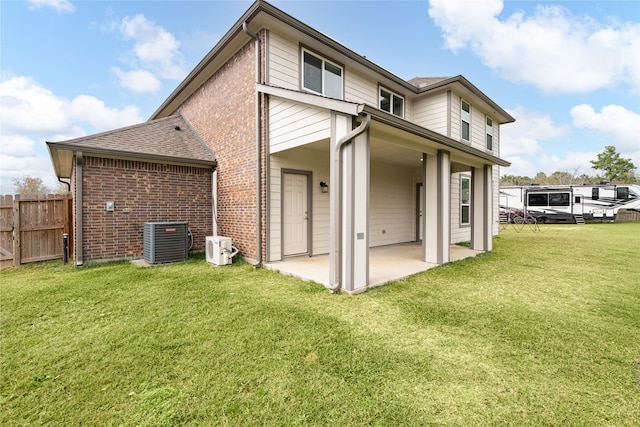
170, 139
421, 82
172, 136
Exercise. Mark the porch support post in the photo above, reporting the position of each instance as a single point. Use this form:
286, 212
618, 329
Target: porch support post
355, 214
349, 204
482, 208
437, 207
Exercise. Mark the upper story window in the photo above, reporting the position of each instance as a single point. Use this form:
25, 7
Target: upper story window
321, 76
465, 117
489, 133
391, 102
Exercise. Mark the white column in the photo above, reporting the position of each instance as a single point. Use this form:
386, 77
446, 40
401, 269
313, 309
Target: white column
355, 214
437, 208
482, 208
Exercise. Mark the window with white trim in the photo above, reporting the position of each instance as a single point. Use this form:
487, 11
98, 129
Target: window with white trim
321, 76
489, 133
391, 102
465, 200
465, 118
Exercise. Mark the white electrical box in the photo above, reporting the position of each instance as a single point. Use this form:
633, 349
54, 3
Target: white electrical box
219, 250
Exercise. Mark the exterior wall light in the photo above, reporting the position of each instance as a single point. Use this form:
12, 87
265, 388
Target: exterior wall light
324, 187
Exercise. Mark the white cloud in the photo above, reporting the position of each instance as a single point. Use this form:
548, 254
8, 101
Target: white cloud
575, 163
28, 107
32, 114
524, 137
617, 124
91, 110
139, 81
61, 6
551, 49
155, 48
16, 145
16, 167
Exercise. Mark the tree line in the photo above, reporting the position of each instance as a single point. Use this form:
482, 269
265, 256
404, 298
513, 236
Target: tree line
609, 166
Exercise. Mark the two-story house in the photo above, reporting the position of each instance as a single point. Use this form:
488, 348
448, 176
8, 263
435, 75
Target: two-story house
320, 151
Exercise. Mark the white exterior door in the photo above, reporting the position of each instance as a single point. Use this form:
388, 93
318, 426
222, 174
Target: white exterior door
295, 214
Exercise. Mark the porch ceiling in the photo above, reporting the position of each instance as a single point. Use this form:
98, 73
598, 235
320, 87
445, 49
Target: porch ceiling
385, 151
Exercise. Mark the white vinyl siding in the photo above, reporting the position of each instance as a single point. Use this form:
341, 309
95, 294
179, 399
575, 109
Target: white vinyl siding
392, 204
284, 70
431, 112
292, 125
455, 117
358, 88
308, 160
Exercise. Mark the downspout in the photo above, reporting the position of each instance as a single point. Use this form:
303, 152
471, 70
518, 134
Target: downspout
68, 184
254, 36
366, 120
214, 196
78, 210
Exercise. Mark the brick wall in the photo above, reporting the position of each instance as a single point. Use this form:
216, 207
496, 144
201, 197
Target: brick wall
142, 192
223, 112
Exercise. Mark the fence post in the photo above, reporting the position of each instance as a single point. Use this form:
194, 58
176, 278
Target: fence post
65, 246
17, 259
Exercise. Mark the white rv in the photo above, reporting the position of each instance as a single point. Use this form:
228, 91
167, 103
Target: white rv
574, 203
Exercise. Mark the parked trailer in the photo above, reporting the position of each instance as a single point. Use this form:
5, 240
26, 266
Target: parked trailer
574, 203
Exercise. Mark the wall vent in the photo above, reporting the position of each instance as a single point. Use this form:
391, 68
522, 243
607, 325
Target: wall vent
166, 242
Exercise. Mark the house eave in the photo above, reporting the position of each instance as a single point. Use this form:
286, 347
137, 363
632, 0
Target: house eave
446, 142
62, 157
466, 84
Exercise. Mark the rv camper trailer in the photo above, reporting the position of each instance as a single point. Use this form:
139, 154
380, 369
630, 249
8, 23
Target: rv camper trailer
577, 203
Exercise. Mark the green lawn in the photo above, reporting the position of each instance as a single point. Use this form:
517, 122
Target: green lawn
543, 331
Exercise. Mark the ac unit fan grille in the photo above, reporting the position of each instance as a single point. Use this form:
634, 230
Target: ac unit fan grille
165, 242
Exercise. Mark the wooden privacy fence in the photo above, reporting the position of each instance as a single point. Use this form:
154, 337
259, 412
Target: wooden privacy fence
32, 227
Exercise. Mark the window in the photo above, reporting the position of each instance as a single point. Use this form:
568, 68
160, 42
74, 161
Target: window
622, 193
465, 200
595, 193
559, 199
391, 102
538, 199
489, 133
549, 199
321, 76
465, 115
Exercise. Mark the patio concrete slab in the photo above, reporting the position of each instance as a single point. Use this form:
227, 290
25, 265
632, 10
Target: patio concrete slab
386, 263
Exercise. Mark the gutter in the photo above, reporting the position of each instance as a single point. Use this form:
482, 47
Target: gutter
254, 36
335, 262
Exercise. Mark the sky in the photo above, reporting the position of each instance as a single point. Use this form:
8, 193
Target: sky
568, 71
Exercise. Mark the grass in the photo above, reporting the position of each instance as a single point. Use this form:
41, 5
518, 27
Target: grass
545, 330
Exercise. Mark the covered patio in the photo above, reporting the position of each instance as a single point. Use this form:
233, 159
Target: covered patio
386, 263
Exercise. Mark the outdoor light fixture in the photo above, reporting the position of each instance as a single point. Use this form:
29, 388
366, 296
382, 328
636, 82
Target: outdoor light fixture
324, 187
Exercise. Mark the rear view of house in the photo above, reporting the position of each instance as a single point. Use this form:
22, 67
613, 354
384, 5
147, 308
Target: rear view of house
317, 151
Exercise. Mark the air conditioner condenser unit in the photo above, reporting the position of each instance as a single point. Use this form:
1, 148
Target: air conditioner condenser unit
165, 241
220, 250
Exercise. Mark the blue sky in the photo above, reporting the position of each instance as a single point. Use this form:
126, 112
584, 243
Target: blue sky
568, 71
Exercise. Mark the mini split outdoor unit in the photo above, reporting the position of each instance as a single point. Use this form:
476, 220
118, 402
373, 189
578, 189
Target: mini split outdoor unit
219, 250
166, 242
